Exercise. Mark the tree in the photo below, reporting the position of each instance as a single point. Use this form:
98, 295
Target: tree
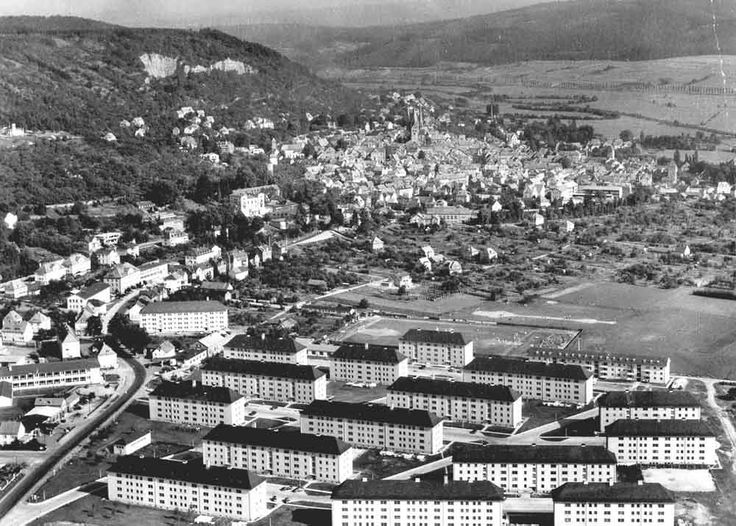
363, 304
626, 135
94, 326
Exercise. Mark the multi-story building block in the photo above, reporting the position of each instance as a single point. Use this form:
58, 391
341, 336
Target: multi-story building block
187, 486
283, 382
534, 468
570, 384
279, 453
602, 504
52, 374
497, 405
364, 363
647, 405
184, 317
196, 404
267, 348
415, 502
436, 347
374, 425
609, 366
662, 442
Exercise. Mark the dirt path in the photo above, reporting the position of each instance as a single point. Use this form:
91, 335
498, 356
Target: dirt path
726, 422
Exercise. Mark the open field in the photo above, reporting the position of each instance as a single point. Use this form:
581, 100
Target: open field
488, 339
662, 111
689, 480
347, 393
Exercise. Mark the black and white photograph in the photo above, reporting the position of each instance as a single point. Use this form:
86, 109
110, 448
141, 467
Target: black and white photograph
368, 263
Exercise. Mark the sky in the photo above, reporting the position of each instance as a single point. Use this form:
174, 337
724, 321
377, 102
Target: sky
179, 13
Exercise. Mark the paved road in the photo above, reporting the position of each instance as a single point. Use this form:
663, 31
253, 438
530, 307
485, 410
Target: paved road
116, 306
26, 512
36, 474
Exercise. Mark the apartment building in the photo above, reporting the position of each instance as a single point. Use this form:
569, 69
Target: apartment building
609, 366
647, 405
436, 347
196, 404
280, 453
570, 384
153, 272
414, 502
606, 504
662, 442
183, 317
534, 468
187, 486
200, 255
78, 300
122, 277
267, 348
374, 426
460, 401
364, 363
283, 382
52, 374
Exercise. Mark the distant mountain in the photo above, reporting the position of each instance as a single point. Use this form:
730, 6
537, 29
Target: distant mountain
574, 30
84, 77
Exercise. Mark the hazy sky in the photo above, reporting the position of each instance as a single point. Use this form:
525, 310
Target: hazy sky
221, 12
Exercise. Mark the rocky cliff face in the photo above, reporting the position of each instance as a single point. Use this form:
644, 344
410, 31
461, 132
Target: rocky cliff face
159, 66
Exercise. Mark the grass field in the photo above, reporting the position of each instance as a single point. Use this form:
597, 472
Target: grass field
487, 338
347, 393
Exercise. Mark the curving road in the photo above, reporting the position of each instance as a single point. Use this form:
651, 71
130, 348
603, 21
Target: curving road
27, 484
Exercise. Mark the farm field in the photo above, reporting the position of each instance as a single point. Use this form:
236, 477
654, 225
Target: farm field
488, 339
716, 112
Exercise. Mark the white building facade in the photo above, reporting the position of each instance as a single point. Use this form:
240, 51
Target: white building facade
267, 380
538, 469
283, 454
647, 405
459, 401
570, 384
436, 347
374, 426
195, 404
266, 348
368, 364
168, 317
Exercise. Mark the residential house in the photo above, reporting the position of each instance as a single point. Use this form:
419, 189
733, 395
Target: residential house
78, 265
78, 299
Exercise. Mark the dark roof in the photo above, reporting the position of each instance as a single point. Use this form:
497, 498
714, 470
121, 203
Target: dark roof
500, 393
183, 306
192, 471
277, 439
535, 455
604, 492
369, 353
519, 366
6, 389
434, 336
216, 286
657, 398
95, 288
275, 369
200, 392
372, 412
265, 343
50, 367
413, 490
652, 428
569, 354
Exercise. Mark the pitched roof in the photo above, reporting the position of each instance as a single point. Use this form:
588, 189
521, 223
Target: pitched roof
260, 368
10, 427
190, 391
265, 343
92, 290
519, 366
656, 398
604, 492
434, 336
192, 471
653, 428
164, 307
277, 439
596, 356
533, 454
413, 490
369, 353
6, 390
499, 393
49, 367
372, 412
